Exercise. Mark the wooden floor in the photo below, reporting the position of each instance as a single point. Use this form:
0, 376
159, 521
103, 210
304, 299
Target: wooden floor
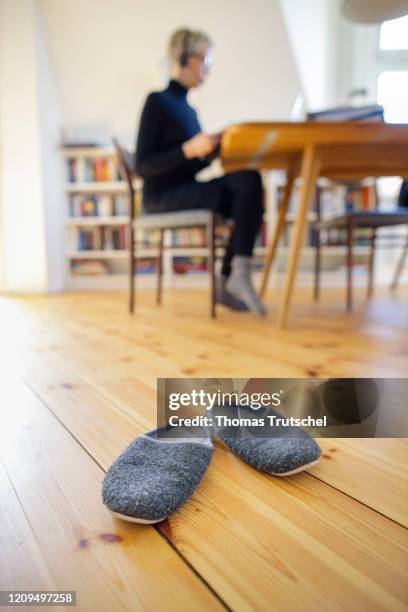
78, 383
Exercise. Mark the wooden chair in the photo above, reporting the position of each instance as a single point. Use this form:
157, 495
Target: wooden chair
353, 221
162, 221
350, 223
402, 203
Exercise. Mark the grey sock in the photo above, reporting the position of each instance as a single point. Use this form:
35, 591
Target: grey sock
240, 284
224, 297
279, 450
153, 477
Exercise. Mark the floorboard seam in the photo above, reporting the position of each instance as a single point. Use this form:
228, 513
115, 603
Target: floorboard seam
28, 521
358, 501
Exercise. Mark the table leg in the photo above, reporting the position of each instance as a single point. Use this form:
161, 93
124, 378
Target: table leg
280, 225
350, 241
309, 173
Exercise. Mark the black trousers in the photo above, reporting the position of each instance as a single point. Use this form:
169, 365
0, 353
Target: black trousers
403, 195
237, 196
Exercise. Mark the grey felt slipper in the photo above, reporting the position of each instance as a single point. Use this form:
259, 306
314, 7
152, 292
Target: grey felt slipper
153, 476
278, 450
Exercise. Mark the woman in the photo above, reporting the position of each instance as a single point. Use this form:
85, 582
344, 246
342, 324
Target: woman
171, 149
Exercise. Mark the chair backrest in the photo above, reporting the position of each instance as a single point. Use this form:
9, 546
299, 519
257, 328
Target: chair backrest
126, 161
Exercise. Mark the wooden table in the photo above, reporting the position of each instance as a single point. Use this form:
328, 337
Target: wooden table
342, 150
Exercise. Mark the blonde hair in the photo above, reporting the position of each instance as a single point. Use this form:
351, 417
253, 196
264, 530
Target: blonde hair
186, 41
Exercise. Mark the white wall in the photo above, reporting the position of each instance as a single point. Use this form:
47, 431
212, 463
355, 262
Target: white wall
357, 60
312, 29
28, 172
108, 54
21, 176
53, 172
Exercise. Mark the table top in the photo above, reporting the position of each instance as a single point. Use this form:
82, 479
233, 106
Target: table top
345, 149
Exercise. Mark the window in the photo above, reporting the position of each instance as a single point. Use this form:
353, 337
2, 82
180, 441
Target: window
392, 94
394, 34
392, 70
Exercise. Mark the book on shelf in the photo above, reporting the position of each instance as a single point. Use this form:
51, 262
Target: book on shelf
147, 238
87, 170
98, 205
190, 265
188, 237
102, 239
223, 233
145, 265
120, 204
360, 197
197, 236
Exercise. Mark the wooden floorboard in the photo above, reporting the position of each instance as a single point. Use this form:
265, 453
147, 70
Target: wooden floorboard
383, 487
304, 523
331, 539
22, 563
357, 470
110, 564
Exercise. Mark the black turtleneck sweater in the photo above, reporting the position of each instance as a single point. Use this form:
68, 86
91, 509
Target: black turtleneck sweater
167, 121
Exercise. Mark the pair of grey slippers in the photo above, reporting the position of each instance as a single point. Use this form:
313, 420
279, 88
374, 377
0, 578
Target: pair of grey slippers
159, 470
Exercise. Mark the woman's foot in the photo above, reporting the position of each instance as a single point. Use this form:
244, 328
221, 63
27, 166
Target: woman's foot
239, 284
224, 297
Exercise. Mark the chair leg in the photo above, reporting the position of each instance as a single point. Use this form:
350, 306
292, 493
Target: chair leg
160, 269
211, 262
400, 267
318, 255
350, 241
132, 271
370, 286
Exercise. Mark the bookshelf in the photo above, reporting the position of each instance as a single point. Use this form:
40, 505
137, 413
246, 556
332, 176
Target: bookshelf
96, 229
96, 219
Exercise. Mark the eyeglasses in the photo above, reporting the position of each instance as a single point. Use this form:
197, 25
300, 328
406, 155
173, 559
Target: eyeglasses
206, 59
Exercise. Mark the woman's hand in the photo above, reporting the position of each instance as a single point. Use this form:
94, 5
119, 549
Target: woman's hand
200, 145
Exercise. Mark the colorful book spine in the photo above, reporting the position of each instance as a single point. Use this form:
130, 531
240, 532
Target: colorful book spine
91, 205
121, 205
100, 169
190, 265
103, 239
146, 265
